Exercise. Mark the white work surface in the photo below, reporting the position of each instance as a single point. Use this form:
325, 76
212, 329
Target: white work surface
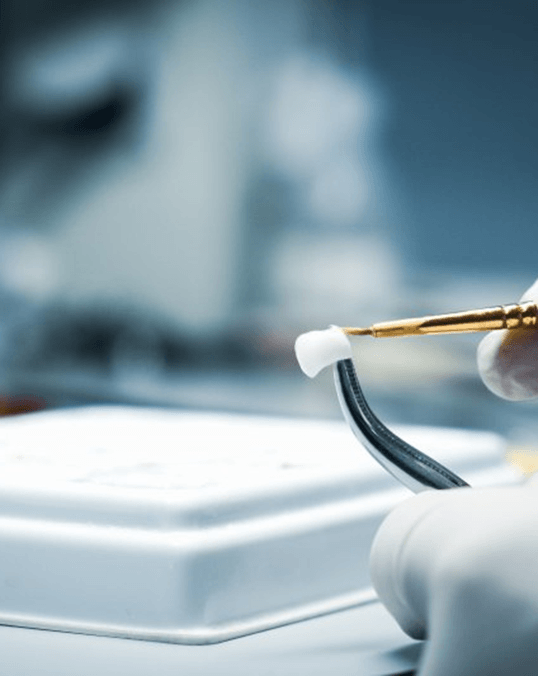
125, 532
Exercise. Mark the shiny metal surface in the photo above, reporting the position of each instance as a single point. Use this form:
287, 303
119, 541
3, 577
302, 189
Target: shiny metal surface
411, 467
514, 316
363, 641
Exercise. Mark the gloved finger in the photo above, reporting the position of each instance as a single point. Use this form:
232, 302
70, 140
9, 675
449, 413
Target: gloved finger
459, 567
387, 569
508, 360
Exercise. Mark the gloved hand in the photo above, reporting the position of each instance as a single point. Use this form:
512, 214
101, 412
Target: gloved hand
460, 567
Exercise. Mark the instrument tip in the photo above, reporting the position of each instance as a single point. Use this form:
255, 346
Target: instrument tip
355, 331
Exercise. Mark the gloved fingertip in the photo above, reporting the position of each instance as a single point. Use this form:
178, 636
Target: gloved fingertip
508, 363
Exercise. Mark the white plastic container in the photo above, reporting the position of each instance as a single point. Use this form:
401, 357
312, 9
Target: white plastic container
192, 527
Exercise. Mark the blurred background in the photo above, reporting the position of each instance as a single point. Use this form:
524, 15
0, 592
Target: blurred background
185, 186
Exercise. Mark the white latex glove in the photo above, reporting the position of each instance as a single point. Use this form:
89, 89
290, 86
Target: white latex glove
508, 360
460, 568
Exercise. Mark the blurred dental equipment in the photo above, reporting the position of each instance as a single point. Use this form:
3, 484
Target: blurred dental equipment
185, 165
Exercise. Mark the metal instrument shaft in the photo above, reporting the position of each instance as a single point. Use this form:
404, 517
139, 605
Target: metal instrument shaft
514, 316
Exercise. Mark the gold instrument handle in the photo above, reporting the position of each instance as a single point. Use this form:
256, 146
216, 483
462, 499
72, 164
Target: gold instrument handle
514, 316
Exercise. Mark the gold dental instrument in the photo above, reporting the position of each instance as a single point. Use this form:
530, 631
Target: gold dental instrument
515, 316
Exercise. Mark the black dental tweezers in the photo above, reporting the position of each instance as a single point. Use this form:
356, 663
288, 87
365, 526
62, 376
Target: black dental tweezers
411, 467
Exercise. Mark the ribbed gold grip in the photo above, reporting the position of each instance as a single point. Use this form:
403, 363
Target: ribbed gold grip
524, 315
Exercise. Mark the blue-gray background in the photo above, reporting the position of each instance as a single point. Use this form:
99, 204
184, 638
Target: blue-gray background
463, 133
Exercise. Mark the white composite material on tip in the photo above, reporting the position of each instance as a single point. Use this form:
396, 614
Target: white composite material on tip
317, 349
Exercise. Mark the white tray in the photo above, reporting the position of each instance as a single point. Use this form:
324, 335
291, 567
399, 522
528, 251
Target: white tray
193, 527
